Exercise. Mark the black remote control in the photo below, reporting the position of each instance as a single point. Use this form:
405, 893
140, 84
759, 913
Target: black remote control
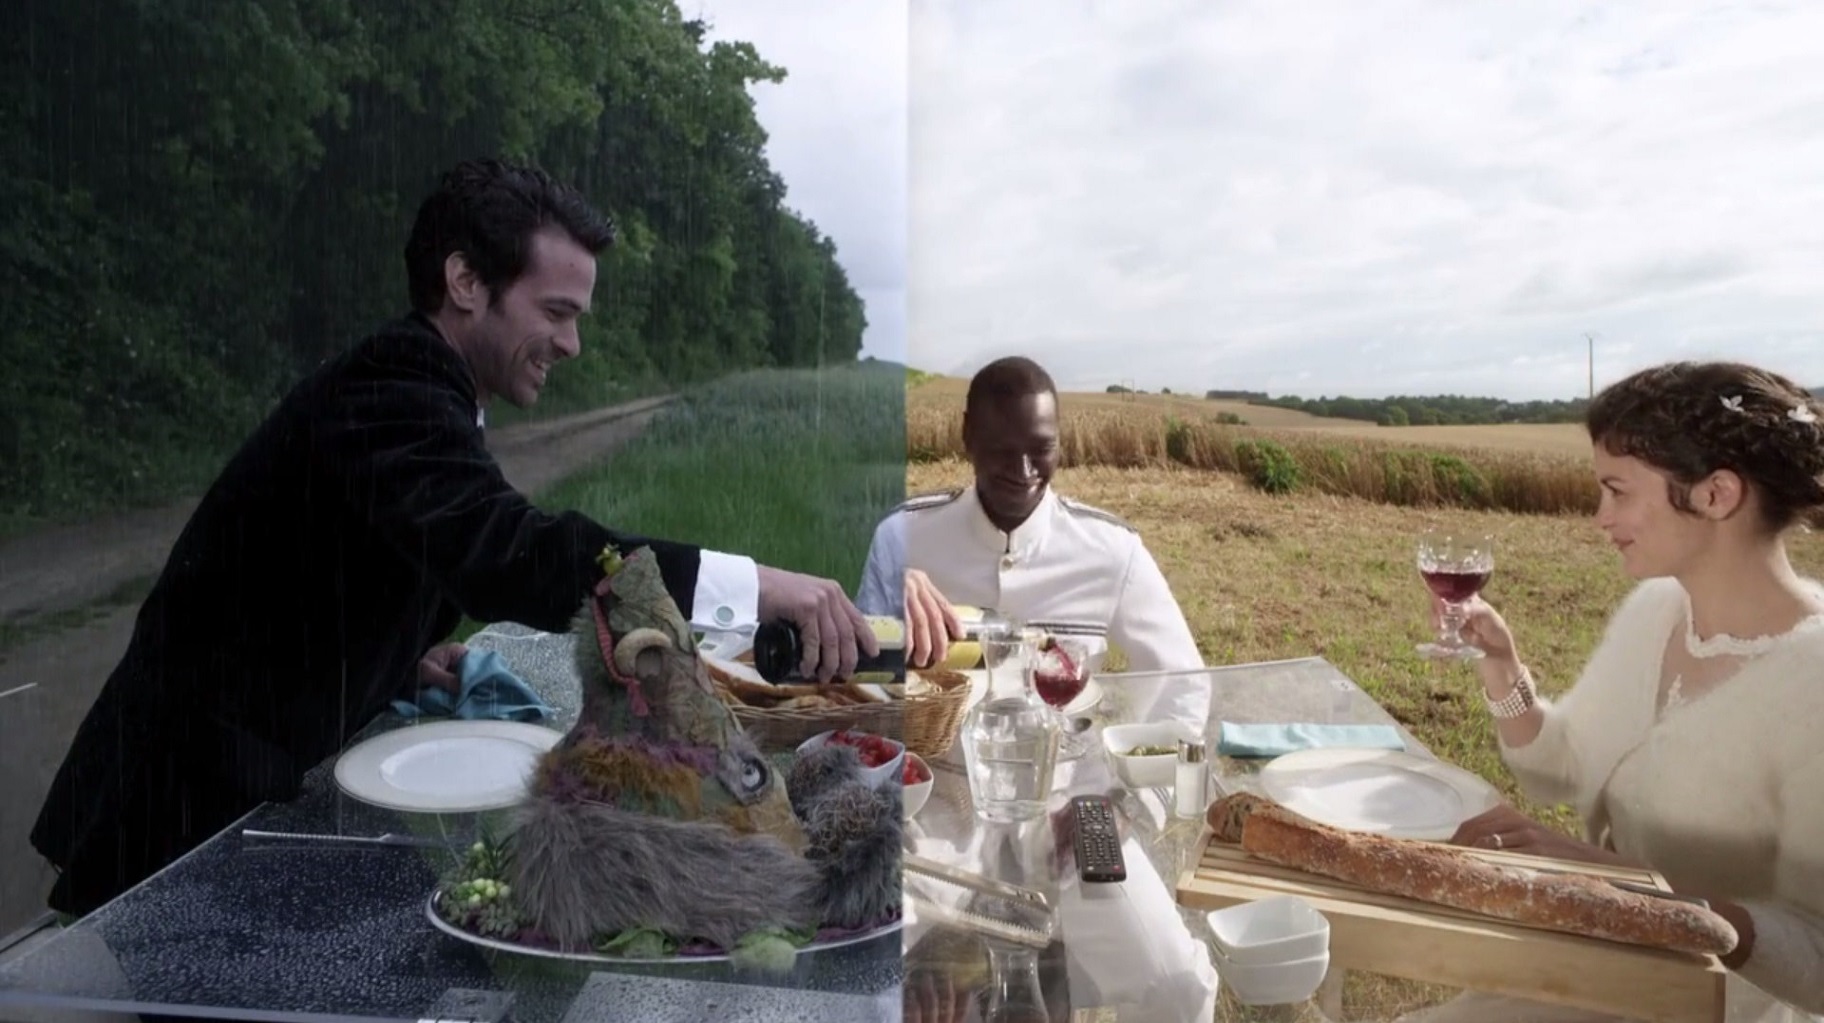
1097, 843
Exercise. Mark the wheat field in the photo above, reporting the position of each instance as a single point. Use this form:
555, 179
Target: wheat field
1528, 468
944, 395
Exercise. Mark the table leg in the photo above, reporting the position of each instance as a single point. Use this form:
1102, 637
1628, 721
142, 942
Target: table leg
1330, 995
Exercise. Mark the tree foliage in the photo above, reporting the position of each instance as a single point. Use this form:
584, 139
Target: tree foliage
206, 200
1433, 410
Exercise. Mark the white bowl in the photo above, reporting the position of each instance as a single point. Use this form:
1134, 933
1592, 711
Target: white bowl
1273, 983
874, 776
1144, 772
915, 795
1280, 929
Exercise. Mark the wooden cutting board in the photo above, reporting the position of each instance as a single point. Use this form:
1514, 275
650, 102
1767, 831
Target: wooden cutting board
1421, 941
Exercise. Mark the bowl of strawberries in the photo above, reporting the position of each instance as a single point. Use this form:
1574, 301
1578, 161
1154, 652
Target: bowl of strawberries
881, 758
916, 780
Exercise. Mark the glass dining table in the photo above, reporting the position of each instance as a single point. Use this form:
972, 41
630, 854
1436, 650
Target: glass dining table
952, 962
291, 914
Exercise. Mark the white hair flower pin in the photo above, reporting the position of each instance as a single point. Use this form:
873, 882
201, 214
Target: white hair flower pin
1802, 413
1733, 404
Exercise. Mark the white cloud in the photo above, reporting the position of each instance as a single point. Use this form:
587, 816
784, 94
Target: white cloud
1364, 198
837, 133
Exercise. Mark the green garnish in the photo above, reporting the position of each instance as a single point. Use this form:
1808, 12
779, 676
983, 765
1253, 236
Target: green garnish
638, 943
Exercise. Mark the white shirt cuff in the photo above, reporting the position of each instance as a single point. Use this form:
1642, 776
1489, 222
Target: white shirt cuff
727, 597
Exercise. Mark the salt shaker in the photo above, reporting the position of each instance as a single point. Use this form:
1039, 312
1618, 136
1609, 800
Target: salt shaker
1191, 797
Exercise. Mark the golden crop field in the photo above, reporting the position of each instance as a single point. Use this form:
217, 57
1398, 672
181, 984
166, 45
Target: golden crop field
1566, 439
1264, 577
947, 394
1533, 469
944, 395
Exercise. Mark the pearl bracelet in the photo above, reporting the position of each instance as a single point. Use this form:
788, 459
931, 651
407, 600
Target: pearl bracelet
1515, 703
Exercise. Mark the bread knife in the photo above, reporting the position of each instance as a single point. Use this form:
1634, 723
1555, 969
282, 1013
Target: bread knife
1631, 886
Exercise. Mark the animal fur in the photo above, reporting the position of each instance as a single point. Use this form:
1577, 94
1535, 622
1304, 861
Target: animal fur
855, 842
818, 772
593, 869
854, 834
658, 812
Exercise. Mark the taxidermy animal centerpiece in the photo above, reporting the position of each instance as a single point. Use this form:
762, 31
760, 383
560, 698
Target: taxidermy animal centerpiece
657, 827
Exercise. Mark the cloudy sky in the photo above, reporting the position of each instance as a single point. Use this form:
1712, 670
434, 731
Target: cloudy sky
836, 132
1313, 198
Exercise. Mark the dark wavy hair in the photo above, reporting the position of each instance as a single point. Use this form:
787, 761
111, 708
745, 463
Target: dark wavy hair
488, 210
1690, 419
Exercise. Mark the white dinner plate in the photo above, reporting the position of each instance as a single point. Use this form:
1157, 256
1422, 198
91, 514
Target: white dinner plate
446, 766
1385, 792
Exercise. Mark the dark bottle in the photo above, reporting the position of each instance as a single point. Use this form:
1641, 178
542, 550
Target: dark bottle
779, 650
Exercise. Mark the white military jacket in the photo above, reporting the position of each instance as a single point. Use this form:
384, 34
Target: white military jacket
1069, 568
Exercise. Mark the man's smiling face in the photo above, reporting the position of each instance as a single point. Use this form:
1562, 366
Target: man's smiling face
532, 324
1013, 445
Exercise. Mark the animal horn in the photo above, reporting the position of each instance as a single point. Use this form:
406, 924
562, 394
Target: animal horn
632, 645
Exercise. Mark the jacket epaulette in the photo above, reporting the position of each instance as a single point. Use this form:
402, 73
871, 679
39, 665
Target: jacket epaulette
1075, 506
934, 499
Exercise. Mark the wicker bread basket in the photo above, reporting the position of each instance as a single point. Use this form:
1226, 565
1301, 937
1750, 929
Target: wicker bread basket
926, 721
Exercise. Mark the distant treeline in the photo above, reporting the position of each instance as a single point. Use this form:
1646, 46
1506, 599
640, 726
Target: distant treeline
1430, 410
1434, 410
1407, 410
202, 202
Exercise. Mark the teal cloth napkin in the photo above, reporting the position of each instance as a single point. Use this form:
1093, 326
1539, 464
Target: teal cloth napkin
1263, 740
490, 691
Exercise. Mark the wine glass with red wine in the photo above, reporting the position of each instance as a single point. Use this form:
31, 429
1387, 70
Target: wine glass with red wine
1455, 567
1060, 672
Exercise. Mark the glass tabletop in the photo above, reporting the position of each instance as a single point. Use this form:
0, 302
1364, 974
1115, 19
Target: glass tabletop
1036, 854
284, 929
249, 928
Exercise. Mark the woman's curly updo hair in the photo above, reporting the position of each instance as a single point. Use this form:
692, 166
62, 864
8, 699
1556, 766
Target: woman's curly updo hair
1690, 419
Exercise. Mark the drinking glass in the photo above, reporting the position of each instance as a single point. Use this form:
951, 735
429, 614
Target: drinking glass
1455, 567
1060, 672
1015, 994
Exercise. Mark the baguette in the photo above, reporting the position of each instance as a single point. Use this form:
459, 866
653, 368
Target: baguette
1429, 872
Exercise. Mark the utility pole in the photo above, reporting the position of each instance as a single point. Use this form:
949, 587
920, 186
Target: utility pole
1591, 338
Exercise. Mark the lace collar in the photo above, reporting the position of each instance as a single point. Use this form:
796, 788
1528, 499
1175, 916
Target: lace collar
1723, 644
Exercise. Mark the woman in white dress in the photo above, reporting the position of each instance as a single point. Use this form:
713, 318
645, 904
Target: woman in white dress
1690, 743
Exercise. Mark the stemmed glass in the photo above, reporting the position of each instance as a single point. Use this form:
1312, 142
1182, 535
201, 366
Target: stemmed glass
1060, 672
1455, 566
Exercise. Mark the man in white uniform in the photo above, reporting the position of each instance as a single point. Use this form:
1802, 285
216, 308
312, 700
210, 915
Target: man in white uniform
1010, 543
1013, 544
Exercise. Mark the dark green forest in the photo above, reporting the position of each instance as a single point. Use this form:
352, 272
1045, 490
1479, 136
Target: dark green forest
204, 200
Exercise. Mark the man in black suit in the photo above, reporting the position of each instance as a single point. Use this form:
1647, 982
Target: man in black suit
352, 532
